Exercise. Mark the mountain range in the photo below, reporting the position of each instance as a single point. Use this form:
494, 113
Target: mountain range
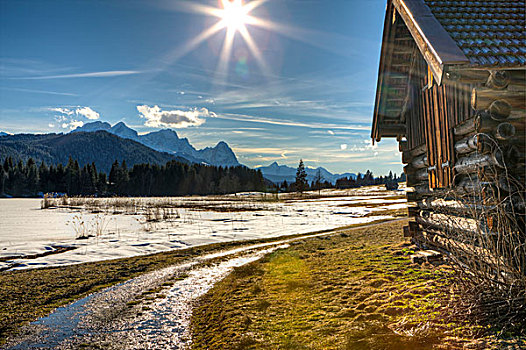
168, 141
100, 147
101, 143
279, 173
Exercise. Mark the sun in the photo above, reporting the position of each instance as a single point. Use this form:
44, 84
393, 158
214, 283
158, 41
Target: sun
234, 15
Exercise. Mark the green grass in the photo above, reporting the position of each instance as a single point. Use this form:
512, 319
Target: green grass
354, 290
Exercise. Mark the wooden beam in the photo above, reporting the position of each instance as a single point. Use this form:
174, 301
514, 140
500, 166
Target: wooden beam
472, 163
467, 76
420, 162
419, 150
467, 145
421, 174
482, 98
391, 130
483, 123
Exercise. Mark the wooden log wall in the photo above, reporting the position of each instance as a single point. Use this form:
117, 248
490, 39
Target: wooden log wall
435, 112
477, 122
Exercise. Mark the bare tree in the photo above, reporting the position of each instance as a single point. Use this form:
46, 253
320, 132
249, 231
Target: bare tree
318, 180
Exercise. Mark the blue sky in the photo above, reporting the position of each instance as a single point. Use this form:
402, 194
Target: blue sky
307, 91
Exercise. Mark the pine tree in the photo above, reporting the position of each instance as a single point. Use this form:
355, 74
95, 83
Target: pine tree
114, 174
301, 177
31, 177
102, 185
72, 177
43, 177
3, 180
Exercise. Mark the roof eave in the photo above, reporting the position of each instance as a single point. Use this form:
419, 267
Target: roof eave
383, 52
436, 45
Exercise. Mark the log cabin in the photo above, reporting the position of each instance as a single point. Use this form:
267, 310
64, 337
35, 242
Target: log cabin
451, 90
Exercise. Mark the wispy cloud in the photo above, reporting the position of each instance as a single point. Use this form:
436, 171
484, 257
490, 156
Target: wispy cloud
103, 74
38, 91
155, 117
284, 122
260, 150
317, 96
61, 110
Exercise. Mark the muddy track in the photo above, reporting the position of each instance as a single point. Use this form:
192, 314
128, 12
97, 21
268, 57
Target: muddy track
149, 311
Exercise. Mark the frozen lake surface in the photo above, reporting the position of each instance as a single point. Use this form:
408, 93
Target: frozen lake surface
26, 230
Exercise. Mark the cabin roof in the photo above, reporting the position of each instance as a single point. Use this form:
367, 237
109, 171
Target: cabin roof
449, 35
489, 33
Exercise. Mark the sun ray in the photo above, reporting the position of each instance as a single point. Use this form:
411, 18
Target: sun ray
254, 51
222, 66
192, 7
254, 4
234, 17
195, 42
315, 38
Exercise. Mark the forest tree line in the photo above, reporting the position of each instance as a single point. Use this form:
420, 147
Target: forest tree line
318, 183
19, 179
368, 179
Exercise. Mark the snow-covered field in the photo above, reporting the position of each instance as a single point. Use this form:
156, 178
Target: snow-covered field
25, 229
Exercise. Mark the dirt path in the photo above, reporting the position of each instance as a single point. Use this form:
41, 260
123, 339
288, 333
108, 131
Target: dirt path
153, 309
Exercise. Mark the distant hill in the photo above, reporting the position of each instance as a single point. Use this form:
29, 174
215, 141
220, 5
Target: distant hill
279, 173
99, 147
167, 140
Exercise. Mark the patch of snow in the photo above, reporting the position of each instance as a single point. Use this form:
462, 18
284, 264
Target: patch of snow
28, 230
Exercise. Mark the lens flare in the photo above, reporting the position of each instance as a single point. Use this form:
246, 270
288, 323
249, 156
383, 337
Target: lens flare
234, 15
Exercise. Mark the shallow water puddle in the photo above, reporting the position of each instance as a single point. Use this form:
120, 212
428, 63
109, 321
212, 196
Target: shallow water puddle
166, 324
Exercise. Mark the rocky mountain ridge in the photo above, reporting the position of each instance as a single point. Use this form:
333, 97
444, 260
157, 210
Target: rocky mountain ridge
167, 140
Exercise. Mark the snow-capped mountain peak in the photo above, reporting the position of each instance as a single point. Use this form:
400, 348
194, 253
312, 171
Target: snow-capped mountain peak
94, 126
167, 140
122, 130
